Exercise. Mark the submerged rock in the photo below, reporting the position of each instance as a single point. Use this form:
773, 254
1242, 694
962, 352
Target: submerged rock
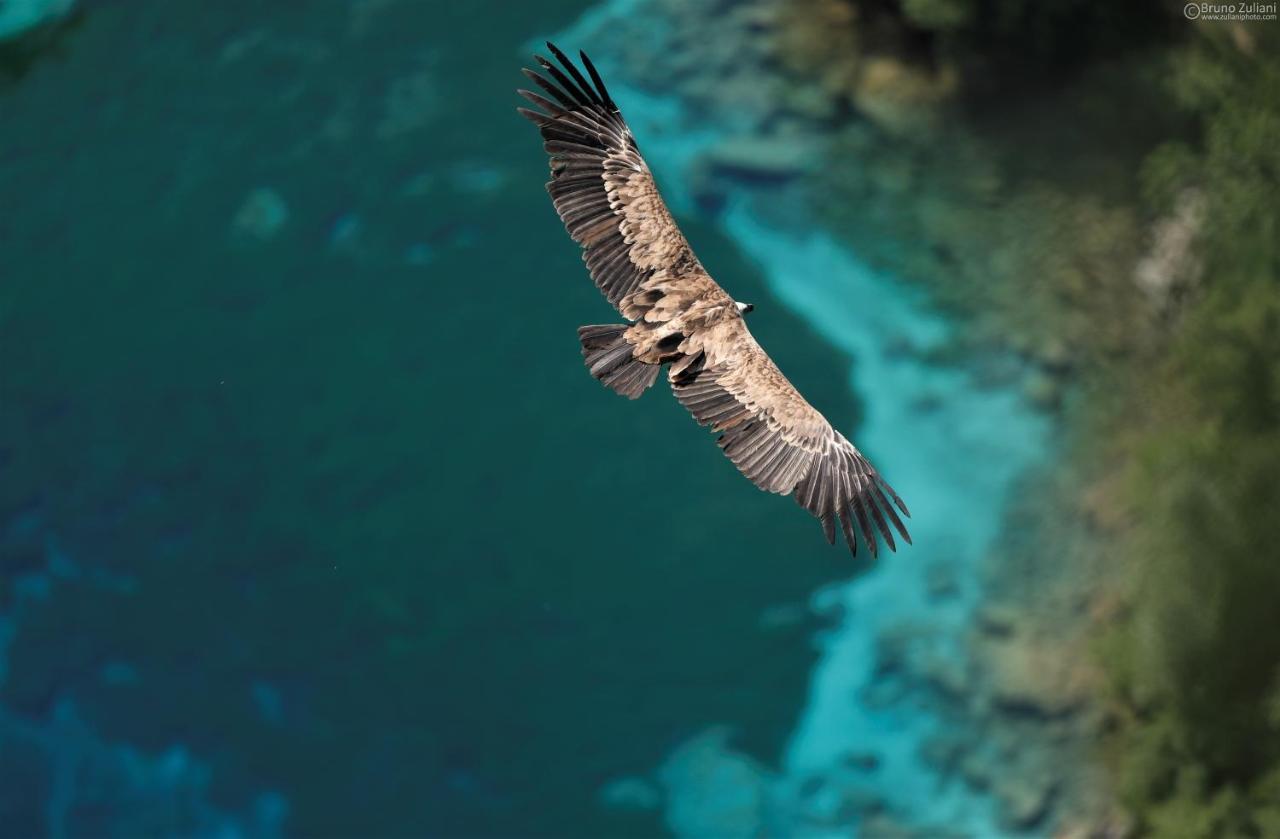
261, 216
997, 620
888, 826
942, 581
947, 675
631, 793
713, 790
883, 826
760, 159
1033, 675
1024, 797
785, 616
978, 769
410, 104
1043, 391
945, 751
18, 17
837, 802
91, 787
810, 101
861, 761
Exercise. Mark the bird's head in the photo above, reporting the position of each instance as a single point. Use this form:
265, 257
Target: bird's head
744, 307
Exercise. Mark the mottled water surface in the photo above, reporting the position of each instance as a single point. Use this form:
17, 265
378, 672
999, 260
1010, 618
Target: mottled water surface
300, 471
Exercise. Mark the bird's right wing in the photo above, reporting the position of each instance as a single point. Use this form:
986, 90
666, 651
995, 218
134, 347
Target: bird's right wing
601, 186
778, 440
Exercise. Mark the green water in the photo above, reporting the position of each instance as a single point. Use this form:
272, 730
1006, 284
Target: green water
366, 471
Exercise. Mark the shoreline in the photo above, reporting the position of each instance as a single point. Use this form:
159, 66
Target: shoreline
890, 340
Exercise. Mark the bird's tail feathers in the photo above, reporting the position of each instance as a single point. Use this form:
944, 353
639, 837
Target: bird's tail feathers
609, 358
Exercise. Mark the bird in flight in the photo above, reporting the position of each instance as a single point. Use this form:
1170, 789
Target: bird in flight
678, 317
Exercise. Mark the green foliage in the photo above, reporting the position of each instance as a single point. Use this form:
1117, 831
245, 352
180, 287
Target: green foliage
1198, 661
1036, 219
1047, 33
1031, 224
1166, 173
1195, 661
939, 14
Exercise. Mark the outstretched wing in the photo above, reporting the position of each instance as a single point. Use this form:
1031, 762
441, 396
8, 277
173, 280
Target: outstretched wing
780, 441
601, 186
606, 196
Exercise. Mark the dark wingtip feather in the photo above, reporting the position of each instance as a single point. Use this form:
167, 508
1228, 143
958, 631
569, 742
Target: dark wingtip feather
560, 96
847, 526
538, 119
595, 77
890, 512
865, 526
828, 528
573, 71
880, 523
552, 109
867, 500
571, 89
545, 64
894, 496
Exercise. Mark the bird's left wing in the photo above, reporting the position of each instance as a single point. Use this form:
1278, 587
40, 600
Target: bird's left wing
601, 186
777, 439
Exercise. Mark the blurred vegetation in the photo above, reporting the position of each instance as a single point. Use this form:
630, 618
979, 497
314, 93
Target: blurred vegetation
1023, 200
1110, 213
1043, 34
1196, 661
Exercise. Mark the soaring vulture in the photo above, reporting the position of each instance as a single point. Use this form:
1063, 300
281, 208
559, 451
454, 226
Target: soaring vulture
678, 316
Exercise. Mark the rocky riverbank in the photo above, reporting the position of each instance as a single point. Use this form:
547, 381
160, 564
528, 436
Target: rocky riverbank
1005, 736
1038, 209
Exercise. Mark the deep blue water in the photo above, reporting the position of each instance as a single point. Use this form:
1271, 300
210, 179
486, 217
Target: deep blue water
381, 544
311, 520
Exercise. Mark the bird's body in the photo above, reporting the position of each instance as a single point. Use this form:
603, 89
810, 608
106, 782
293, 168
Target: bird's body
679, 317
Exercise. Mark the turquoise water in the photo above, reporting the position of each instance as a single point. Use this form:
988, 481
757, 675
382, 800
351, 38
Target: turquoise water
381, 542
960, 460
310, 519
